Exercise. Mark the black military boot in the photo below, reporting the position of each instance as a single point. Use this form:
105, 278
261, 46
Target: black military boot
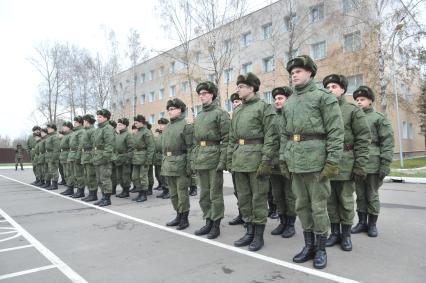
308, 251
247, 238
205, 229
193, 191
184, 223
163, 193
79, 193
320, 259
237, 220
62, 182
99, 201
16, 167
334, 237
106, 201
114, 189
22, 167
141, 197
54, 186
176, 221
69, 191
346, 243
372, 229
167, 194
149, 192
215, 230
257, 242
158, 188
280, 228
92, 196
46, 185
41, 183
133, 190
124, 193
361, 226
289, 230
272, 212
37, 180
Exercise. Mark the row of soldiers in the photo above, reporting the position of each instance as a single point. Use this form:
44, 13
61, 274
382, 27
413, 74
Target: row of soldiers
313, 148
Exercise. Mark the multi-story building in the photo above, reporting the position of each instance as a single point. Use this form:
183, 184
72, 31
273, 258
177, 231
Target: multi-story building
262, 42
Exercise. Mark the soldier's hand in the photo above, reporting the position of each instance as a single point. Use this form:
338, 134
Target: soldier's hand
329, 171
284, 169
220, 167
358, 174
265, 169
383, 172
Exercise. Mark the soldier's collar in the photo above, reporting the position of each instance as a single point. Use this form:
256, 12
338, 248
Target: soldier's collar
310, 85
252, 99
368, 109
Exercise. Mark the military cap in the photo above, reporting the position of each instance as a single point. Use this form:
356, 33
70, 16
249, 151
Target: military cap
302, 61
113, 123
104, 112
234, 97
139, 118
176, 102
209, 87
341, 80
78, 119
52, 126
364, 91
163, 121
283, 90
44, 130
68, 124
89, 118
123, 121
249, 79
36, 128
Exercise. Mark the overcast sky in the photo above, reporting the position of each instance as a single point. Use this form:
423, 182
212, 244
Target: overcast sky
24, 23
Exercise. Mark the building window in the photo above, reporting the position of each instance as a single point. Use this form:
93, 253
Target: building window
152, 119
245, 68
143, 99
151, 75
161, 93
267, 31
290, 22
227, 75
211, 77
172, 68
287, 56
227, 106
267, 96
161, 71
142, 78
404, 91
172, 91
407, 130
121, 86
184, 86
353, 83
268, 64
349, 5
352, 41
246, 39
316, 13
197, 56
318, 50
161, 115
151, 96
197, 110
227, 45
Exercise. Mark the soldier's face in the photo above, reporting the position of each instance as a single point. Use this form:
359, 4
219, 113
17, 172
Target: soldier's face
161, 126
120, 126
86, 124
139, 124
279, 101
363, 102
205, 97
244, 90
300, 76
50, 130
236, 103
174, 112
65, 129
335, 89
101, 119
76, 124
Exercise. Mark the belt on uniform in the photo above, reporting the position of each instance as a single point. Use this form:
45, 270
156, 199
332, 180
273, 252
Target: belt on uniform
122, 152
306, 137
348, 147
140, 149
376, 143
65, 149
175, 152
73, 149
208, 143
49, 150
250, 141
87, 149
99, 147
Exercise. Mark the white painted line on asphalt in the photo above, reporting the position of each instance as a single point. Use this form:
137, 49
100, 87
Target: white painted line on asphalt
15, 248
56, 261
279, 262
2, 221
9, 232
28, 271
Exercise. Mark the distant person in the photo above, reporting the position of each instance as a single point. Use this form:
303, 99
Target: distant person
19, 156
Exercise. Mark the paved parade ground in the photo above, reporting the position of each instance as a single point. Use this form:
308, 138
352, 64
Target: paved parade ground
46, 237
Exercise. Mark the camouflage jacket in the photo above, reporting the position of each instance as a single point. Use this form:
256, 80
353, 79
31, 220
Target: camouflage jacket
103, 144
144, 147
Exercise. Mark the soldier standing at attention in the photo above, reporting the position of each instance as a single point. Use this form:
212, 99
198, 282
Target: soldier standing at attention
311, 148
143, 156
114, 170
18, 156
76, 178
86, 147
41, 160
36, 150
123, 156
53, 149
340, 204
103, 146
31, 144
253, 142
151, 167
211, 129
61, 167
67, 128
379, 159
236, 101
158, 159
177, 144
281, 186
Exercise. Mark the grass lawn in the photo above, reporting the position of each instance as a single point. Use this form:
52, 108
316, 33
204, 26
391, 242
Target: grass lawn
13, 164
410, 163
414, 175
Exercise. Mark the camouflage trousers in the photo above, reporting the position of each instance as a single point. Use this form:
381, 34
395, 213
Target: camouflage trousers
211, 194
367, 195
179, 194
103, 177
90, 177
311, 201
340, 204
160, 178
150, 177
284, 198
52, 170
41, 171
123, 174
252, 197
114, 180
140, 177
75, 174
